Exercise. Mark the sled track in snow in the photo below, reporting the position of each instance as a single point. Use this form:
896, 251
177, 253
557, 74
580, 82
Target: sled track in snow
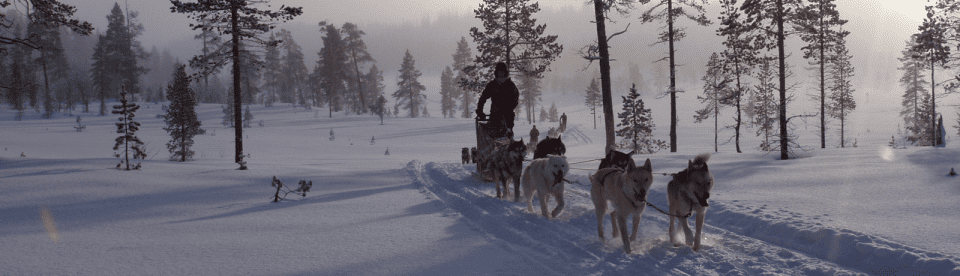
735, 242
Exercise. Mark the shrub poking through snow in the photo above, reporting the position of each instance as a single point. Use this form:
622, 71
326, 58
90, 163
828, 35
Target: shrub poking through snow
128, 127
302, 188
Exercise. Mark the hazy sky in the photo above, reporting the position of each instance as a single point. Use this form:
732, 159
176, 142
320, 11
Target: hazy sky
161, 24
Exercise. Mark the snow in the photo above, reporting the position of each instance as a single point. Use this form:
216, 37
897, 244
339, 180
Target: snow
865, 210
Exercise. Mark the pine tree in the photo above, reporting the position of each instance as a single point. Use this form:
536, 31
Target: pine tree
357, 54
739, 58
211, 42
409, 92
331, 71
181, 117
767, 19
373, 84
592, 99
51, 62
461, 59
247, 117
637, 123
841, 100
543, 114
553, 114
379, 108
50, 13
17, 88
511, 35
128, 127
765, 106
293, 72
226, 18
933, 49
530, 93
99, 73
272, 72
914, 83
601, 52
121, 52
669, 14
715, 91
448, 103
815, 26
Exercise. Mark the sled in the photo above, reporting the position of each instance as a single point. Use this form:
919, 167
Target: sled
487, 132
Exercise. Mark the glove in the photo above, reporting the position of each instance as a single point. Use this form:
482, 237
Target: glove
480, 114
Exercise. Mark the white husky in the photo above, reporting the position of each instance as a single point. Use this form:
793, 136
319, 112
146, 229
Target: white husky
545, 176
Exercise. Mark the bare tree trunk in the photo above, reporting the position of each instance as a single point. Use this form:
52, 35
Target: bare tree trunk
605, 75
237, 115
784, 140
673, 81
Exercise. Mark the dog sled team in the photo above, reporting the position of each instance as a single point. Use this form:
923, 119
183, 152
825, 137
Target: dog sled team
618, 180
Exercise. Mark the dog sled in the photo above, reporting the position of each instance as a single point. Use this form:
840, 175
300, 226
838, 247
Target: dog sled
488, 132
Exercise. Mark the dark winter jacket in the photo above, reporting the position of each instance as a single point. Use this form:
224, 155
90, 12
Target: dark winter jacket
503, 96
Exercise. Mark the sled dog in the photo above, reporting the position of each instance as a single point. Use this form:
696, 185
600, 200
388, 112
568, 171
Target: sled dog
474, 157
504, 163
465, 156
544, 177
616, 159
627, 190
687, 193
549, 146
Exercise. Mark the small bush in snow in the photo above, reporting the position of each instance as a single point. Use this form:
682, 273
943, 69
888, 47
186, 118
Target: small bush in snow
302, 188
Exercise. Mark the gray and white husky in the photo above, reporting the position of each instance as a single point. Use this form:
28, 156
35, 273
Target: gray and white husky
687, 193
627, 190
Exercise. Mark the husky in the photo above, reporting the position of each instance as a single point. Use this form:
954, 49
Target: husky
465, 156
544, 177
504, 163
474, 157
627, 189
550, 146
687, 193
616, 159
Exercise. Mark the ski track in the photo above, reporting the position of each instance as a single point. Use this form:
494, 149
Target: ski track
737, 240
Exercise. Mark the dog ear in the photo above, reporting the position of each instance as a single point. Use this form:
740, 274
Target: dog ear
647, 166
559, 138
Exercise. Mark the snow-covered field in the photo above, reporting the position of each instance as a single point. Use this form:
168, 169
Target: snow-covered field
865, 210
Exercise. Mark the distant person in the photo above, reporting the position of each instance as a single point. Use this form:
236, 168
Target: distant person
503, 95
534, 135
563, 122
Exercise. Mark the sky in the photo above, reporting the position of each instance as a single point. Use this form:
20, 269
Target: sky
903, 15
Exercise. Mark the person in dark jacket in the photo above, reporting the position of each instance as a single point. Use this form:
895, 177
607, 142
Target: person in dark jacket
504, 97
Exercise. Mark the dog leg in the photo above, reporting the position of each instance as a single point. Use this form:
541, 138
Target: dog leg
600, 204
516, 187
497, 183
613, 223
700, 216
556, 211
544, 198
636, 224
687, 234
622, 224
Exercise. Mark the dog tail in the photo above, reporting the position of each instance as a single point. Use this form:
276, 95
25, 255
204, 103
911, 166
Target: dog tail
702, 158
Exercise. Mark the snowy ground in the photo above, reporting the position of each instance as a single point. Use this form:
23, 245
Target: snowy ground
864, 210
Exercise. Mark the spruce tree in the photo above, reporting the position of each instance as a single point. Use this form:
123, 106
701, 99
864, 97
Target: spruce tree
593, 98
637, 123
293, 72
447, 93
99, 74
379, 108
181, 117
128, 128
247, 117
530, 93
765, 106
17, 88
409, 92
553, 114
